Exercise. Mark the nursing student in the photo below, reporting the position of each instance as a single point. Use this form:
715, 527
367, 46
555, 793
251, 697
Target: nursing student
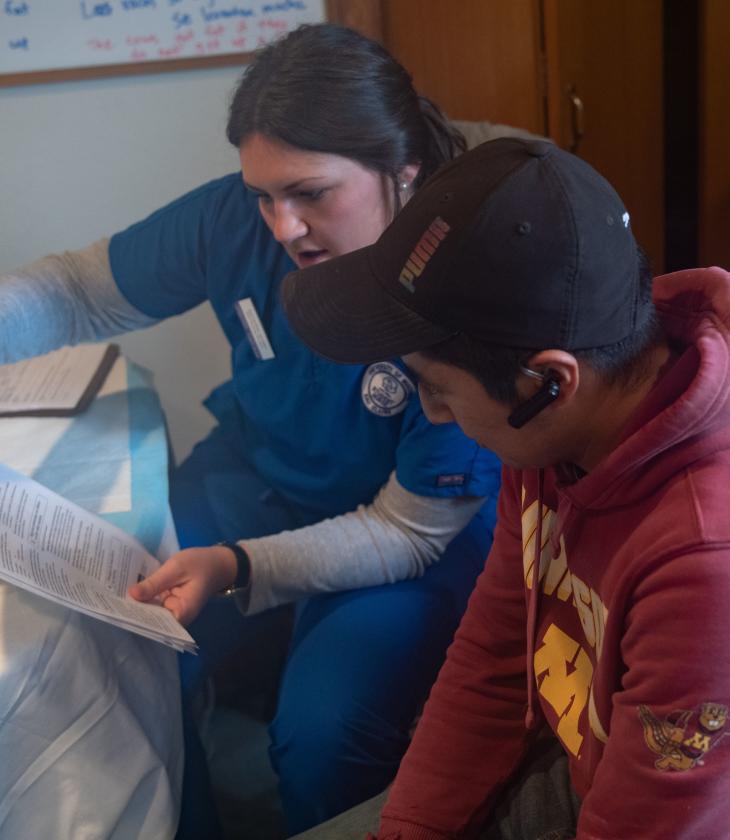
328, 485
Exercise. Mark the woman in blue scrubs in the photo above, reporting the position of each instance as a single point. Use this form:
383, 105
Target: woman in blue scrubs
327, 482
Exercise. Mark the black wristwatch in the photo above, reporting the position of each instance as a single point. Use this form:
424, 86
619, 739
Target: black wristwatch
243, 568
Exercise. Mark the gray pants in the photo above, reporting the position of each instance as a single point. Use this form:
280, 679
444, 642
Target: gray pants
539, 805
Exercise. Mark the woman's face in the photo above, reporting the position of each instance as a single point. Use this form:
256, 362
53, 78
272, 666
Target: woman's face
317, 205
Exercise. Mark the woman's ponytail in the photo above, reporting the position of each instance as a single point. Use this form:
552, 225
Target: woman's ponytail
443, 140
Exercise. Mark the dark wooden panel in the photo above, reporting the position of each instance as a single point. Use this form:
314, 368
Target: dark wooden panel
714, 187
363, 15
478, 59
611, 56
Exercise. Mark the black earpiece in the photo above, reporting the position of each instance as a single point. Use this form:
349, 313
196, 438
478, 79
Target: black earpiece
549, 392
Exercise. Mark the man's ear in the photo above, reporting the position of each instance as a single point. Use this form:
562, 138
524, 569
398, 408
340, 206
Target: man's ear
562, 366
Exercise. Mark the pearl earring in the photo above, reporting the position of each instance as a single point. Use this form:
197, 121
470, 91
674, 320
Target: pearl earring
404, 185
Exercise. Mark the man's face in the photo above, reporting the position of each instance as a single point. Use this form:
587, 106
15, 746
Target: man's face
450, 394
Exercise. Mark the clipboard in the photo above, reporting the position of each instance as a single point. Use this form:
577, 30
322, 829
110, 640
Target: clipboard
58, 384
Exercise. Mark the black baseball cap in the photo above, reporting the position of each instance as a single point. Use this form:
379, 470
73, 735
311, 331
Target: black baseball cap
516, 242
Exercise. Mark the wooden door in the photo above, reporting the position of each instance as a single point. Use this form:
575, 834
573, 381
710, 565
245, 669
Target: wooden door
363, 15
604, 70
478, 59
714, 134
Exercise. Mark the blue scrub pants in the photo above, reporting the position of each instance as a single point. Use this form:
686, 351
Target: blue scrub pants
360, 663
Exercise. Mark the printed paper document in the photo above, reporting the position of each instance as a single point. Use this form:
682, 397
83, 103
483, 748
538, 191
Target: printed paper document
58, 550
59, 383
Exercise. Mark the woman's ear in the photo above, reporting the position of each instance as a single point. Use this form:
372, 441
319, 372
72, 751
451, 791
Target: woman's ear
407, 175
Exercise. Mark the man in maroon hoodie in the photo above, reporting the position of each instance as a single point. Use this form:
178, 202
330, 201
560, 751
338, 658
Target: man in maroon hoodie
514, 289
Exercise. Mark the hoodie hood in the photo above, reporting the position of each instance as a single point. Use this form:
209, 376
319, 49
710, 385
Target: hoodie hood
683, 419
669, 432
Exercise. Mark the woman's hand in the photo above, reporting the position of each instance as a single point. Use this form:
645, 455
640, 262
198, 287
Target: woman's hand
187, 579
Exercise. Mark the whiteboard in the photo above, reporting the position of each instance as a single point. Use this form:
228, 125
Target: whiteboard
38, 35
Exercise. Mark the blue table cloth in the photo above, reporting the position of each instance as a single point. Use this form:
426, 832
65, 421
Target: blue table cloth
90, 727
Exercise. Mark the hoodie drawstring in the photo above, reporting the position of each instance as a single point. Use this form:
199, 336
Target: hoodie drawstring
532, 609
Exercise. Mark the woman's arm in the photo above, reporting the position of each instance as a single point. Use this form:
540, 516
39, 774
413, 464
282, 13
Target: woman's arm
397, 536
63, 299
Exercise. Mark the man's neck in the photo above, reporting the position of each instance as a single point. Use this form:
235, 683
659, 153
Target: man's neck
610, 410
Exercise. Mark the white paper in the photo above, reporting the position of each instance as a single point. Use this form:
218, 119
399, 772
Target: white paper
96, 463
55, 381
56, 549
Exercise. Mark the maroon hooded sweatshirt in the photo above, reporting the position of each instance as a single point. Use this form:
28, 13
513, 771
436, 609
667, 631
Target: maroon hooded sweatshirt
623, 646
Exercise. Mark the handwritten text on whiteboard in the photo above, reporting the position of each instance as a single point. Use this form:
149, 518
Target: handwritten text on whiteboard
55, 34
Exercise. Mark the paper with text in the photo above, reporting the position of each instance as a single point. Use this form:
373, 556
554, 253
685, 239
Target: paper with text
60, 381
56, 549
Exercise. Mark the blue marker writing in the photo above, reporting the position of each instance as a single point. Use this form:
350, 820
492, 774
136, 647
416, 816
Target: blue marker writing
180, 20
131, 5
15, 8
97, 10
234, 11
283, 7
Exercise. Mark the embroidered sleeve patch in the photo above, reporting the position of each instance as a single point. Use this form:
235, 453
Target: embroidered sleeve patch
683, 738
385, 389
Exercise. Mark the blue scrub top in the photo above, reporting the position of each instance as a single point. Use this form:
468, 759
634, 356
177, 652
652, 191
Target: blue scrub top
323, 435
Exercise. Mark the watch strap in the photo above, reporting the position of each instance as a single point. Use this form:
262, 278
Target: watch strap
243, 568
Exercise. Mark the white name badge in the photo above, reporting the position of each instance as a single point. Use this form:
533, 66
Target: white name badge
255, 331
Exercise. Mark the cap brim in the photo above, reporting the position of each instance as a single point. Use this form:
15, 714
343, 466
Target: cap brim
341, 311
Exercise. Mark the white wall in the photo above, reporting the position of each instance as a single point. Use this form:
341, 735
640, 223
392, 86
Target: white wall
80, 160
